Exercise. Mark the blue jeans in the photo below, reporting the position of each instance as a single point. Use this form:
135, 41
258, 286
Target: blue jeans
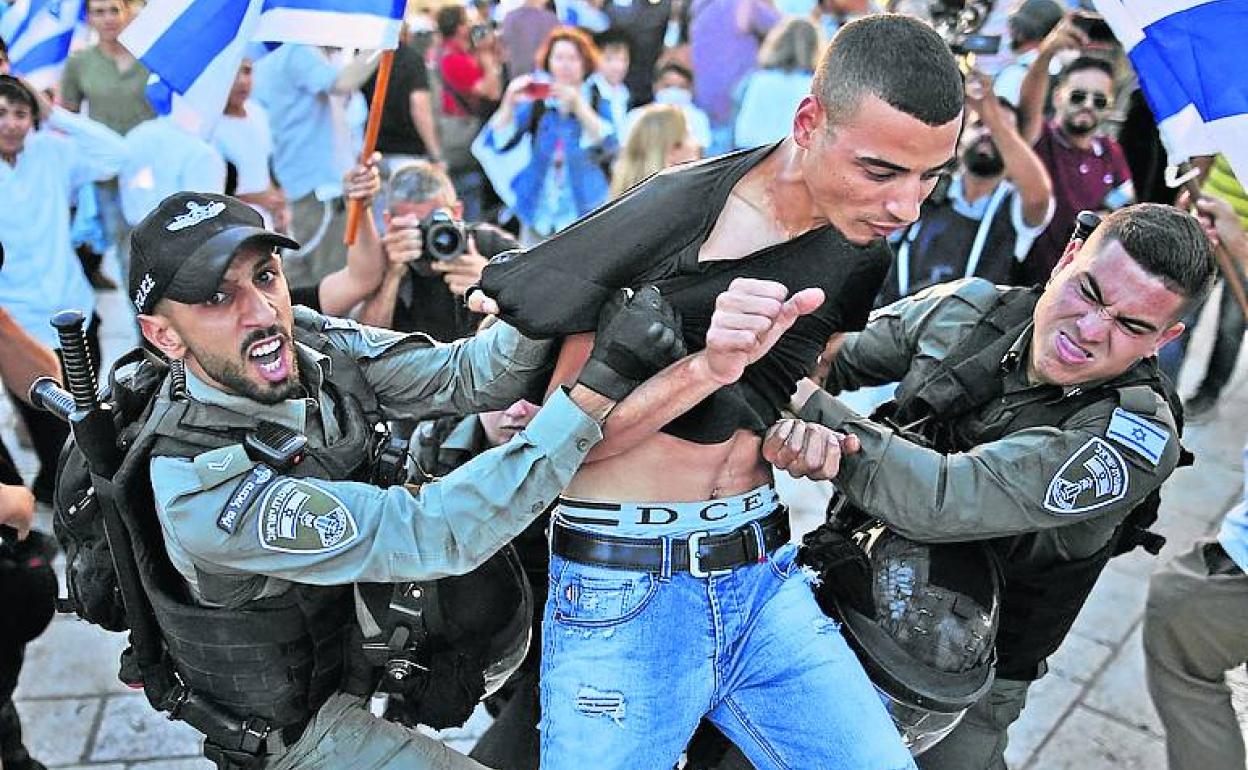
631, 661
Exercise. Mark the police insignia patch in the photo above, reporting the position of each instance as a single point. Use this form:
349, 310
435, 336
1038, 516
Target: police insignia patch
299, 517
1093, 477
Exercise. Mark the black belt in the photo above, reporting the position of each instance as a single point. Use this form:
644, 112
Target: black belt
699, 554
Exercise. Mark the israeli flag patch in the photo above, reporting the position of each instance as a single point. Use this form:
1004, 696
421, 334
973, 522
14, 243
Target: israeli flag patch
1144, 438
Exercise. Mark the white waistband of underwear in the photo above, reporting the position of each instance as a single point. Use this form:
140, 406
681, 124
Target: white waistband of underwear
660, 519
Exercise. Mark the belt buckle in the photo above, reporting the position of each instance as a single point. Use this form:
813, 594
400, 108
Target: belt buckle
695, 560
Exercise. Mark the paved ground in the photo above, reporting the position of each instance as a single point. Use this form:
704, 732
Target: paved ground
1092, 712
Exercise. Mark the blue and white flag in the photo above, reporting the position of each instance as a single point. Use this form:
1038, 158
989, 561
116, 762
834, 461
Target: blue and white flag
1189, 58
195, 47
337, 23
38, 34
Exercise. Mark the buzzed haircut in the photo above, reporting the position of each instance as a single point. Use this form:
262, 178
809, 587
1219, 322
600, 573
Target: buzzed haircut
1086, 63
896, 58
1167, 243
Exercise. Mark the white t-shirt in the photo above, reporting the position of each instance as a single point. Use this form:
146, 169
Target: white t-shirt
247, 143
162, 159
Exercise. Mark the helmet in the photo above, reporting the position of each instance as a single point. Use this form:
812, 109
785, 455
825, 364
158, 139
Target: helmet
929, 646
446, 644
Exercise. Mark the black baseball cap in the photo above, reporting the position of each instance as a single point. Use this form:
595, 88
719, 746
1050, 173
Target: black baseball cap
182, 249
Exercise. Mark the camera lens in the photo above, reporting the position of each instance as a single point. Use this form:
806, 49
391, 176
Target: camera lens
445, 240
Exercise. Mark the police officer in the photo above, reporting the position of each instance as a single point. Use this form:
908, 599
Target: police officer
1038, 420
258, 445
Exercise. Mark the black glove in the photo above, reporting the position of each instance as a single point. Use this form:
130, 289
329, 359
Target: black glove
638, 335
843, 568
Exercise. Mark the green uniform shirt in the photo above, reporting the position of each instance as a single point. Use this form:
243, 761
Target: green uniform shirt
225, 516
1073, 484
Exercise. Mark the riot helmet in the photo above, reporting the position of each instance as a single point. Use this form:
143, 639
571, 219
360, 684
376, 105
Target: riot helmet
926, 632
446, 644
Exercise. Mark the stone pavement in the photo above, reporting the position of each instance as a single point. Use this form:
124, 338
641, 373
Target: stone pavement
1092, 712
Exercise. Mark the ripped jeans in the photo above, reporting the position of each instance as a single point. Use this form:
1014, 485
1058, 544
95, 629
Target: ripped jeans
632, 661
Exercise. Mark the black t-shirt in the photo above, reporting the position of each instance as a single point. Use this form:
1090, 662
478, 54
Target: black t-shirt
398, 134
652, 235
426, 304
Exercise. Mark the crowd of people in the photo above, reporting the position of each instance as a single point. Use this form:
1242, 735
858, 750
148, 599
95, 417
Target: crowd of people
640, 226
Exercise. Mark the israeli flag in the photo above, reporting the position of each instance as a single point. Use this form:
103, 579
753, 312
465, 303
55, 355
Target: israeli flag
195, 47
337, 23
38, 34
1189, 58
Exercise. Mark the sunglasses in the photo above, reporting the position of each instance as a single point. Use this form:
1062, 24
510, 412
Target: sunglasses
1099, 100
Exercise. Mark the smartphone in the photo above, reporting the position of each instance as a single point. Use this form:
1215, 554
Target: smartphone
1095, 27
537, 89
978, 44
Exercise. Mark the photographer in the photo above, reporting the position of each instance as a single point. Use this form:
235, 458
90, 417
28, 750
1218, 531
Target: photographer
1087, 166
432, 256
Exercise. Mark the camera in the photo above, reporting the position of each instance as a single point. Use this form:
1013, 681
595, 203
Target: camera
478, 33
444, 236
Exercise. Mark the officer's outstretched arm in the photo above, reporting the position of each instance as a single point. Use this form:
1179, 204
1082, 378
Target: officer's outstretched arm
1103, 463
228, 513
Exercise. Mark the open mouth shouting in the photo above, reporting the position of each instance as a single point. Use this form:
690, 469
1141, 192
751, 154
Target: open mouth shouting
271, 358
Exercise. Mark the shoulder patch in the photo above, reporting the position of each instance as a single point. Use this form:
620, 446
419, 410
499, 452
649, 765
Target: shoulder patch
1093, 477
221, 465
1144, 438
247, 490
299, 517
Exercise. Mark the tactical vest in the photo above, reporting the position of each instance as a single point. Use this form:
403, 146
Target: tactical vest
275, 659
1039, 604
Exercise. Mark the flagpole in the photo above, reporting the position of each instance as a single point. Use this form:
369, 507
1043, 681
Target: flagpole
354, 206
1225, 263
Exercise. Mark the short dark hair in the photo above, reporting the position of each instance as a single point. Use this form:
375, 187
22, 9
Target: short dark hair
897, 58
676, 67
1167, 243
450, 18
17, 92
1082, 63
613, 38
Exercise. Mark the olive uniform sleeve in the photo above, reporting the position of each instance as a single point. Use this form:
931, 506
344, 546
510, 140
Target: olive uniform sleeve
893, 339
416, 380
1034, 479
222, 512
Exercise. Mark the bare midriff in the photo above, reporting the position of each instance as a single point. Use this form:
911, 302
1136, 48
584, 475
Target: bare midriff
664, 468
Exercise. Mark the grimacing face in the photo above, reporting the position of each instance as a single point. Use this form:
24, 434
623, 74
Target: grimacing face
1100, 313
869, 174
240, 340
